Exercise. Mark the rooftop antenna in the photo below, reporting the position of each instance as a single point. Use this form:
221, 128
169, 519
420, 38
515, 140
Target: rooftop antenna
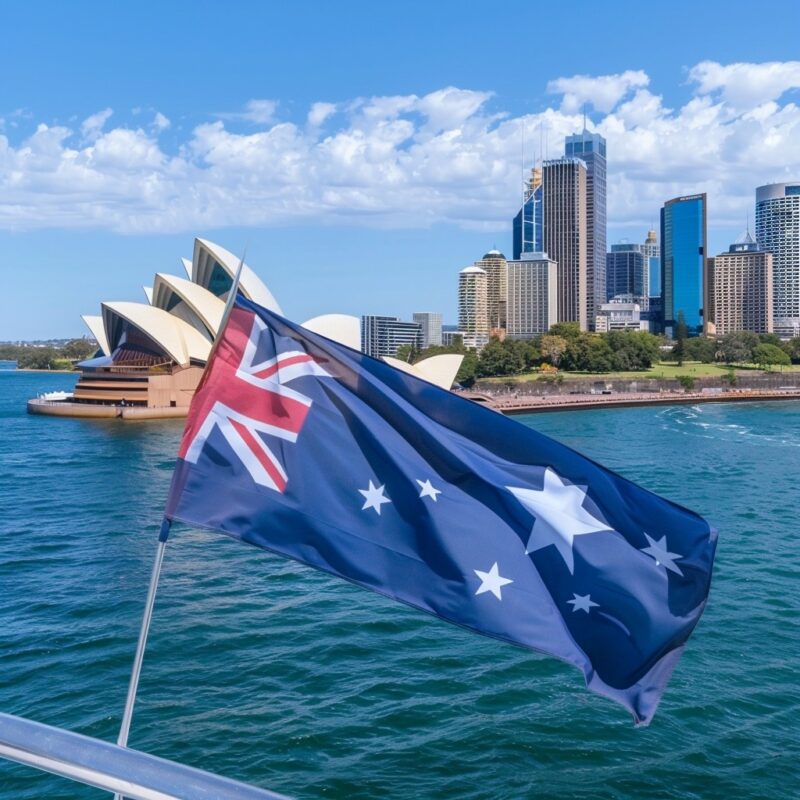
584, 117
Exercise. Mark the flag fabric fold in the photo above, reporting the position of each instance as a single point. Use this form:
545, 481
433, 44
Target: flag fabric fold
304, 447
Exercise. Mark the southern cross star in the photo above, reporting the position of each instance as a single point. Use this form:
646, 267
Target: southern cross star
658, 549
374, 497
492, 581
582, 602
560, 515
428, 490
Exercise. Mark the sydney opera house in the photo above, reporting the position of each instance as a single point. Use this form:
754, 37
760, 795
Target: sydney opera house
151, 355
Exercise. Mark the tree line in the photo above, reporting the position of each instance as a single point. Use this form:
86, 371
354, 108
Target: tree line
740, 347
30, 356
563, 347
566, 348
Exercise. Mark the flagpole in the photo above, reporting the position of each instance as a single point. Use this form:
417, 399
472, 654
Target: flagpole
133, 686
127, 715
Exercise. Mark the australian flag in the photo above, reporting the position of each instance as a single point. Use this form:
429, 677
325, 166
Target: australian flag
305, 447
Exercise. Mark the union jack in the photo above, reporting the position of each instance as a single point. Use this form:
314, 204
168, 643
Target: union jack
246, 398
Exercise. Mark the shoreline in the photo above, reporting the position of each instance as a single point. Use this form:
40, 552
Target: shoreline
562, 402
52, 371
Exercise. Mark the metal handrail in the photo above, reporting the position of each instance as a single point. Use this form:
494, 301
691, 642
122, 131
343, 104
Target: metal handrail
131, 773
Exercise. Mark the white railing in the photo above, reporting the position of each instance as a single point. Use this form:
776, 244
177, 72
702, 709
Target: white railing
130, 773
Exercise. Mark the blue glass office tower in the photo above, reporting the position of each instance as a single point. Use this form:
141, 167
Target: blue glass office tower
627, 272
528, 222
684, 246
591, 149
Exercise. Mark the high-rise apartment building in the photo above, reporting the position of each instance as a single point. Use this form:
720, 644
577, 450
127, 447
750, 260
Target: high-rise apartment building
431, 325
473, 306
627, 272
527, 226
591, 149
742, 288
532, 296
494, 265
778, 232
383, 336
565, 234
684, 278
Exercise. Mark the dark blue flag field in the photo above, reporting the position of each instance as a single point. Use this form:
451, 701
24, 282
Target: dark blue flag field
306, 448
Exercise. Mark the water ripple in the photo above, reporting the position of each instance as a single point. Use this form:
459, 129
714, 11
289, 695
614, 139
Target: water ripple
266, 671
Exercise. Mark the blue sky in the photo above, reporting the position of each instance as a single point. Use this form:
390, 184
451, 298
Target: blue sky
363, 152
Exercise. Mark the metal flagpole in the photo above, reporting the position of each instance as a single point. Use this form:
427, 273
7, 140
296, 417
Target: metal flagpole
127, 714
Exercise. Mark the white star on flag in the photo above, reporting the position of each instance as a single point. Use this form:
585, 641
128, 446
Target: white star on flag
582, 602
560, 515
492, 581
428, 490
374, 497
658, 549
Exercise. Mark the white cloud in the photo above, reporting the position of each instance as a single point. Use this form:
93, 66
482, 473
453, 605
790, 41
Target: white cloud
160, 122
93, 125
603, 92
405, 160
261, 112
320, 112
747, 85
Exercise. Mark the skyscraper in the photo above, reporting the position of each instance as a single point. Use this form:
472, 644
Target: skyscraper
742, 287
565, 234
627, 272
652, 252
532, 296
684, 277
431, 325
591, 149
494, 265
527, 226
383, 336
473, 313
778, 232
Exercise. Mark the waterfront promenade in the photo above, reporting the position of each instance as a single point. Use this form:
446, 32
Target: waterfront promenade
526, 404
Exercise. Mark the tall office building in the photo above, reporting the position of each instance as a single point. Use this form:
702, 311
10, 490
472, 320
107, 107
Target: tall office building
527, 226
652, 251
494, 265
431, 325
473, 306
383, 336
684, 278
565, 234
742, 288
532, 296
591, 149
778, 232
627, 272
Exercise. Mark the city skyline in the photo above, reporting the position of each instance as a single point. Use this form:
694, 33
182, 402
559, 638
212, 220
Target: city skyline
324, 170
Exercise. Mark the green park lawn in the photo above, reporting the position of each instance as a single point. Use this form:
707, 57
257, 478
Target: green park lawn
661, 370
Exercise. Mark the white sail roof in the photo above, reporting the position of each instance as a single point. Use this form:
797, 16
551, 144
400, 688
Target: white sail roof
341, 328
207, 255
95, 326
439, 370
178, 339
205, 307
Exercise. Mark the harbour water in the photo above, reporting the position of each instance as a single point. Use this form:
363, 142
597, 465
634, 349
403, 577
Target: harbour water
263, 670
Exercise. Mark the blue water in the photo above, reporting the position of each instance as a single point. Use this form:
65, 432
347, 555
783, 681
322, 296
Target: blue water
263, 670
